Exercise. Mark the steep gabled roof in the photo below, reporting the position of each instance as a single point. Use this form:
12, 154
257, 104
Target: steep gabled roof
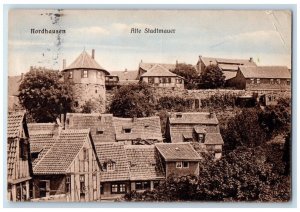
268, 72
113, 152
85, 61
147, 128
60, 156
148, 66
96, 122
177, 152
14, 124
40, 143
158, 71
144, 162
213, 138
193, 118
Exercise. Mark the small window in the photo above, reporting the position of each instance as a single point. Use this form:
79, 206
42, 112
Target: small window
70, 74
179, 81
257, 81
85, 154
96, 91
122, 188
278, 81
68, 184
142, 185
127, 130
185, 164
201, 137
252, 81
98, 74
114, 188
179, 165
84, 74
271, 81
288, 82
151, 80
82, 184
169, 80
99, 132
76, 104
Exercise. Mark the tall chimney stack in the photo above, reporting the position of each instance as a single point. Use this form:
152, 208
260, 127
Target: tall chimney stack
93, 53
64, 64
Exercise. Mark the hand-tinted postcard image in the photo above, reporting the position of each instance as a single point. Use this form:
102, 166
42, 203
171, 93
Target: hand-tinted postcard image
149, 105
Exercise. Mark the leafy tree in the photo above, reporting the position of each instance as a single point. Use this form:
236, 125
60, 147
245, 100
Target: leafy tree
212, 77
174, 103
245, 174
133, 100
188, 72
244, 130
89, 106
276, 119
44, 95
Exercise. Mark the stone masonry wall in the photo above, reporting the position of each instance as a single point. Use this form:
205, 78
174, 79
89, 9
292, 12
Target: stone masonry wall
204, 93
86, 92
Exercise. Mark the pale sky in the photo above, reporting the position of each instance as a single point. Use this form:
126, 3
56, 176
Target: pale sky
263, 35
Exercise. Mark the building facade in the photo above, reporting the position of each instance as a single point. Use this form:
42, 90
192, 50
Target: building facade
69, 170
19, 170
196, 127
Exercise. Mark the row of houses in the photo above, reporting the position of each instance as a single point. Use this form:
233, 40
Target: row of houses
88, 157
90, 80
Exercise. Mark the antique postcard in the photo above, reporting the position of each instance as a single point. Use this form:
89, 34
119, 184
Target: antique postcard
149, 105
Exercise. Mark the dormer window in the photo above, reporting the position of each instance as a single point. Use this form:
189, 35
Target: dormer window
178, 115
201, 137
110, 166
99, 131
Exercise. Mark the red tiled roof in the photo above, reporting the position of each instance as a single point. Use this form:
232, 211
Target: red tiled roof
144, 162
141, 128
84, 60
177, 151
94, 121
14, 124
63, 152
214, 61
193, 118
269, 72
114, 152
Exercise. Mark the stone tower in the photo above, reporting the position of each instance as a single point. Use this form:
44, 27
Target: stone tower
87, 78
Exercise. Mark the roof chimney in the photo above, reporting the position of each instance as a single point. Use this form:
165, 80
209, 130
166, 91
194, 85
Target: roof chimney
125, 70
176, 62
22, 76
93, 53
200, 57
64, 64
251, 59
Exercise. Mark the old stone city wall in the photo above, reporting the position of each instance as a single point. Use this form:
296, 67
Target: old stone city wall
197, 95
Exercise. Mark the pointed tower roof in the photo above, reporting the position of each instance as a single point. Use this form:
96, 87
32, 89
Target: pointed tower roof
85, 61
